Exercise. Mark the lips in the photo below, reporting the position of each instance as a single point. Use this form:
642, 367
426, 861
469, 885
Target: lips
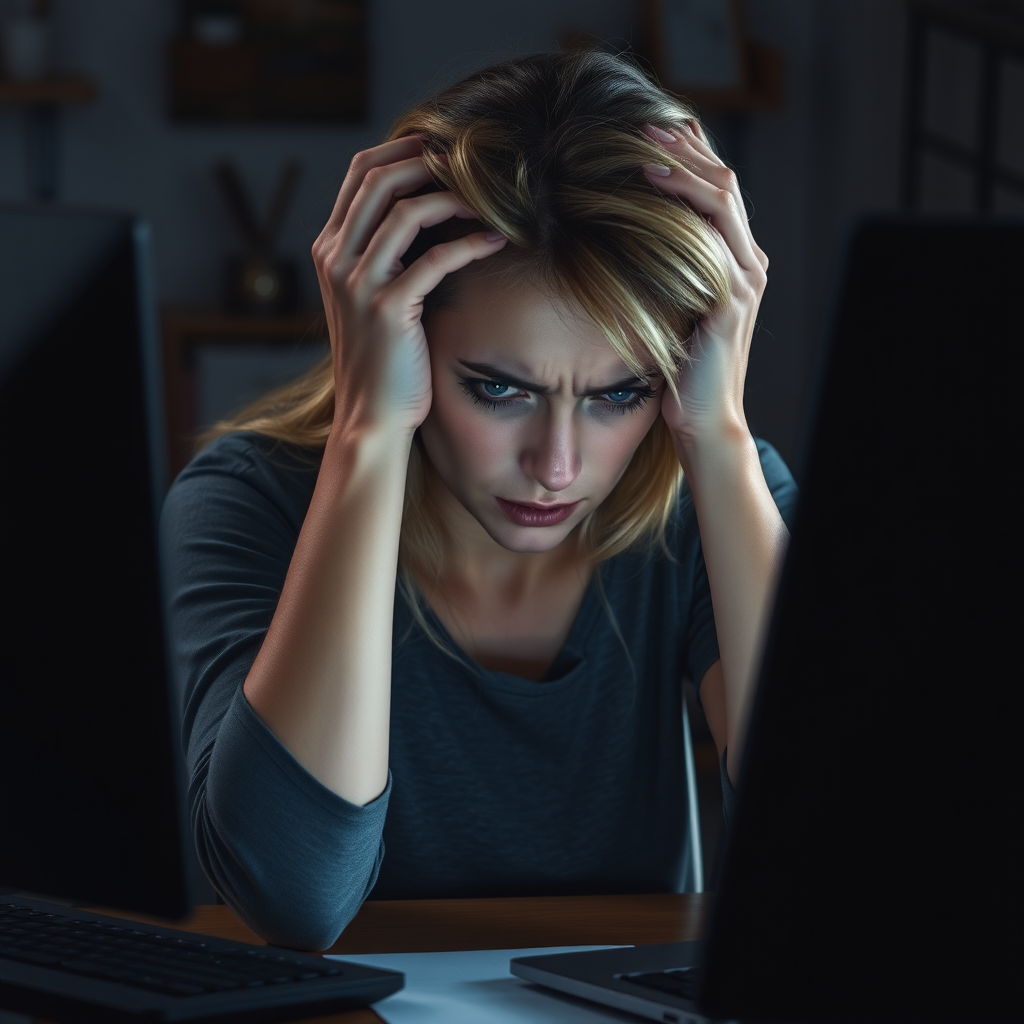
534, 514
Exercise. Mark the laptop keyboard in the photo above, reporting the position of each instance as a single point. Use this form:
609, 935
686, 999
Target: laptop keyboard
676, 981
151, 959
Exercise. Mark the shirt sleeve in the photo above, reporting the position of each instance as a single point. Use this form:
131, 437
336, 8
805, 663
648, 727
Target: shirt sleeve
292, 858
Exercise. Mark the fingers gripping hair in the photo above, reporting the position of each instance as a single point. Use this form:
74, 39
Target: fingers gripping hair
548, 149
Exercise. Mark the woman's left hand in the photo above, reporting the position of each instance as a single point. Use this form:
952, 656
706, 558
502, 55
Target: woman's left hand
711, 385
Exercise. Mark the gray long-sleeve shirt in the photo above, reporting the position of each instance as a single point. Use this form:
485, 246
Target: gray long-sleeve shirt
497, 785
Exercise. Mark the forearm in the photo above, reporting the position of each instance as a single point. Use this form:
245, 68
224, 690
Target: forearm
743, 538
322, 679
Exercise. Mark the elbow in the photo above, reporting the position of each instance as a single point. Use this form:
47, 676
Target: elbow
293, 860
281, 902
309, 927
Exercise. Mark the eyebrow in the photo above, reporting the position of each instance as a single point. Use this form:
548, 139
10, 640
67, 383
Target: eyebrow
497, 373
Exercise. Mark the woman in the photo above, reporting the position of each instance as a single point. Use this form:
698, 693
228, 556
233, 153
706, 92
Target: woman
440, 594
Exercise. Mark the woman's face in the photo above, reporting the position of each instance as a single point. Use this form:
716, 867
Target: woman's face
531, 406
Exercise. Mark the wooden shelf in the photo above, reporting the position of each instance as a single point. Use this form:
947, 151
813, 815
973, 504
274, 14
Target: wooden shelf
59, 89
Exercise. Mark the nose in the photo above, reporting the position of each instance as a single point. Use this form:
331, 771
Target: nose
551, 454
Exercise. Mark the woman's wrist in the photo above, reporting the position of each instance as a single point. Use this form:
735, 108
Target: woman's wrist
729, 443
382, 441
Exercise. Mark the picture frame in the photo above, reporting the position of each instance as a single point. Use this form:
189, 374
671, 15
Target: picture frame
698, 47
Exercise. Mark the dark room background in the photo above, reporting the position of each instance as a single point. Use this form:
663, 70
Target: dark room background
830, 147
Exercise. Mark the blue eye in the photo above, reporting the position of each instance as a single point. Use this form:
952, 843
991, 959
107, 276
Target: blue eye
495, 395
490, 393
626, 401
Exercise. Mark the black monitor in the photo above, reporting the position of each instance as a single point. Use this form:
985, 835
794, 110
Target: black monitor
92, 795
874, 865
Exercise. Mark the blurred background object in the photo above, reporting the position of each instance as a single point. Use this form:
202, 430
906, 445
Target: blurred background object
28, 81
260, 280
269, 60
215, 362
699, 44
700, 49
974, 155
26, 43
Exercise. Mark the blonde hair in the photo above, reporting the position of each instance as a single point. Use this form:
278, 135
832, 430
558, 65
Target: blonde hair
548, 149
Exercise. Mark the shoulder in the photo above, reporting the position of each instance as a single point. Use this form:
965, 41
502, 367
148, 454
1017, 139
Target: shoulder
246, 475
252, 456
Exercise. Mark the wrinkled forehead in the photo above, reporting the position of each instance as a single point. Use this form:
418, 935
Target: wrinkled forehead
533, 328
528, 316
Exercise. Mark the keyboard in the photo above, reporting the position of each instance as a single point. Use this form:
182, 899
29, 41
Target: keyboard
72, 965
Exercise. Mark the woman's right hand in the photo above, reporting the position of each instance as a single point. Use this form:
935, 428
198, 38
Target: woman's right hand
372, 302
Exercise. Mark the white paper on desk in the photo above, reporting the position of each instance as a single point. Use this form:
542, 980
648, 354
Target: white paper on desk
476, 987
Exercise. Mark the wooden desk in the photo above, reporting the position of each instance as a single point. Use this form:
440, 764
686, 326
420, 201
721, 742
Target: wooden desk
403, 926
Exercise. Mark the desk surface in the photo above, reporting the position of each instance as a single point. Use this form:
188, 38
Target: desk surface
402, 926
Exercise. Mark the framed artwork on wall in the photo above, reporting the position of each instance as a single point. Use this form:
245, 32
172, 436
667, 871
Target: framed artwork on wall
699, 50
698, 46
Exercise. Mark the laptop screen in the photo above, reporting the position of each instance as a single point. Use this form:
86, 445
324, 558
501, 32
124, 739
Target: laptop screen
877, 849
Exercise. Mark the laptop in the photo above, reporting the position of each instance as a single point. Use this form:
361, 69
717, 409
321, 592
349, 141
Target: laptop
93, 808
874, 866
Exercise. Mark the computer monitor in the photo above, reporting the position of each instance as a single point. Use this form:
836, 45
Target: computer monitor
92, 785
873, 869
